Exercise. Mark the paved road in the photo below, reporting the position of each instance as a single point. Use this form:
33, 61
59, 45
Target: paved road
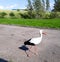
13, 37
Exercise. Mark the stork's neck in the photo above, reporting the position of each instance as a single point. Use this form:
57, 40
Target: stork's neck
41, 34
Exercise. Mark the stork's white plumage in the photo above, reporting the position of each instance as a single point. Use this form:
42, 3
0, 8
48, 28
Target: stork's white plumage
38, 39
32, 42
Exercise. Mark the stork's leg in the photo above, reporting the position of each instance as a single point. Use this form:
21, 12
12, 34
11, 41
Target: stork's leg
28, 52
32, 50
36, 50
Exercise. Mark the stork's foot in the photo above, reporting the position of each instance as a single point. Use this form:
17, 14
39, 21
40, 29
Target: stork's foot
28, 53
36, 53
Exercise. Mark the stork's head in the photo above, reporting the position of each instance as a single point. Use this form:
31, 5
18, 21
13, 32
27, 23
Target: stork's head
41, 32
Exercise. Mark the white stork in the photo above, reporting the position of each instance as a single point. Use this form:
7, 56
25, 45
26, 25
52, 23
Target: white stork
34, 41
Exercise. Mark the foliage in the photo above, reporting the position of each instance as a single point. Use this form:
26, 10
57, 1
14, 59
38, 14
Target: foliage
58, 13
27, 15
55, 15
46, 16
37, 7
47, 4
12, 15
30, 8
57, 5
43, 3
2, 14
18, 9
24, 15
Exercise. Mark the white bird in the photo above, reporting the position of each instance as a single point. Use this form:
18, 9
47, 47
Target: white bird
35, 41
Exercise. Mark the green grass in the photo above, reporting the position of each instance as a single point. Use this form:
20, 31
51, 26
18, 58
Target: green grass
40, 23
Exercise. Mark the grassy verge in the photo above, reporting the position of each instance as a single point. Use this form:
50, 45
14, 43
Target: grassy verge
41, 23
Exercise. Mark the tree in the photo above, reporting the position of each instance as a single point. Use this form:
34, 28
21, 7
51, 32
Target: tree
57, 5
43, 2
37, 4
55, 1
30, 8
47, 5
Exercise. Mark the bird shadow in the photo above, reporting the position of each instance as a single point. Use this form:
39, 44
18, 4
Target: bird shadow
3, 60
24, 48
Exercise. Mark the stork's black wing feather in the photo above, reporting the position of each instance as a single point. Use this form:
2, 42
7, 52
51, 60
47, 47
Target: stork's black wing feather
28, 43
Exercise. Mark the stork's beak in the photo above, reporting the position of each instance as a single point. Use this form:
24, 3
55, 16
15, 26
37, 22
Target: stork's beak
44, 33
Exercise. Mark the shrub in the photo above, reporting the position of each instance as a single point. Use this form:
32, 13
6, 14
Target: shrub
24, 15
31, 14
18, 9
17, 15
58, 15
53, 15
27, 15
12, 15
2, 14
46, 15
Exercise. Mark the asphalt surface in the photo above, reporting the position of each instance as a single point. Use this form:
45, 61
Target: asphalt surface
12, 49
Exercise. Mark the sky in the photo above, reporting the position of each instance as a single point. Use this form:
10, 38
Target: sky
17, 4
